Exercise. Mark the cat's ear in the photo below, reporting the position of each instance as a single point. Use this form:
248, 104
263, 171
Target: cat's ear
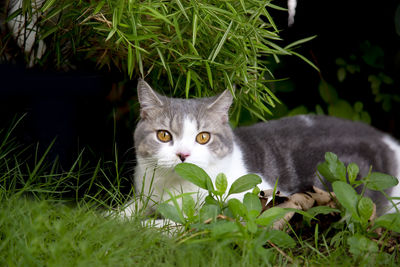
221, 105
148, 99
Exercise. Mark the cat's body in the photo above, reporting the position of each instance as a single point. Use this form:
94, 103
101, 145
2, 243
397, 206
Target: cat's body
197, 131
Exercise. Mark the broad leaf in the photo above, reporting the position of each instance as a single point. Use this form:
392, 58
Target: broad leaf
360, 245
221, 183
251, 226
193, 174
365, 208
209, 212
188, 206
332, 169
380, 181
390, 221
271, 215
209, 200
314, 211
347, 197
169, 212
244, 183
237, 208
352, 172
252, 202
221, 228
279, 238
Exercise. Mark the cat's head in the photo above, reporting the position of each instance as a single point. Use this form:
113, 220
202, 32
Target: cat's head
173, 130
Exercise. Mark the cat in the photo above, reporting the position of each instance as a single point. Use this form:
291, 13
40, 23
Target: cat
197, 131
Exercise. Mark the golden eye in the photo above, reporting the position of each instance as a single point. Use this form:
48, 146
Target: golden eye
164, 136
203, 138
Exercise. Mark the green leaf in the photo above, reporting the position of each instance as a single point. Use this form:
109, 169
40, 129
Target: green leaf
390, 221
188, 79
352, 172
256, 190
221, 42
244, 183
169, 212
341, 74
210, 200
209, 212
360, 245
237, 208
347, 197
222, 228
221, 183
251, 226
130, 61
188, 206
252, 202
365, 208
319, 210
301, 41
209, 74
157, 14
342, 109
279, 238
47, 5
380, 181
98, 7
182, 9
271, 215
327, 92
193, 174
332, 169
194, 31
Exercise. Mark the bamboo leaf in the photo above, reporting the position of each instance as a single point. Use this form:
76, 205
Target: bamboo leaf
221, 42
179, 3
194, 31
158, 15
188, 79
47, 5
301, 41
209, 74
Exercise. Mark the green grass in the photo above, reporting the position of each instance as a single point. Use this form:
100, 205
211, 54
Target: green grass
46, 232
58, 218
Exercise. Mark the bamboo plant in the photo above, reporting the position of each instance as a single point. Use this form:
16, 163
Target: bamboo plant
183, 48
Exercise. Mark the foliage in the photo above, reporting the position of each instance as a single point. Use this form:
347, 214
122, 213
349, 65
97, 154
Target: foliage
371, 61
47, 218
188, 48
231, 221
361, 78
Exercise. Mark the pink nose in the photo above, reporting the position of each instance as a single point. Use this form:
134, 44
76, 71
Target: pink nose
183, 156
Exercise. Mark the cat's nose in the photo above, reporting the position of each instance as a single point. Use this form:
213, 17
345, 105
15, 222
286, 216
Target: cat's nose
183, 156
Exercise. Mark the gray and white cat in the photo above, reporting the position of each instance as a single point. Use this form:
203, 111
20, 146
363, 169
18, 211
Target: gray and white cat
197, 131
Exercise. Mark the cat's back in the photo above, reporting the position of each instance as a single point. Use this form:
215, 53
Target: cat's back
307, 129
291, 148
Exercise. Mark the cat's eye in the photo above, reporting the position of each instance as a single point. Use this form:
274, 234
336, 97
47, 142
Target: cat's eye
164, 136
203, 138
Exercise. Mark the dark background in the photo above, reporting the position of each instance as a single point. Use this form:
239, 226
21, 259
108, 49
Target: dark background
88, 109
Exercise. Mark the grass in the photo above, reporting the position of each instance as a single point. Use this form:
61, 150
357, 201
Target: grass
47, 232
57, 218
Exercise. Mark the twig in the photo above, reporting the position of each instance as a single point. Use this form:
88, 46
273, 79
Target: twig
281, 251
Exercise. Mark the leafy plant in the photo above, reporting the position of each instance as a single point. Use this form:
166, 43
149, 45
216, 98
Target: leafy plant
190, 48
240, 223
222, 217
223, 232
358, 209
